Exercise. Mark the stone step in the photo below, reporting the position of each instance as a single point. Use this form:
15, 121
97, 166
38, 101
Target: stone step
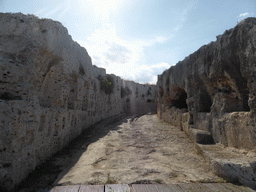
201, 136
232, 164
226, 162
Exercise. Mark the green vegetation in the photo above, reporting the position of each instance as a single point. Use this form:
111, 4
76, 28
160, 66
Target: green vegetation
110, 180
106, 84
174, 175
159, 181
221, 180
204, 181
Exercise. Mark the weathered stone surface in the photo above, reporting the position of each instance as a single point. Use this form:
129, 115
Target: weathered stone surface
235, 165
213, 92
49, 93
216, 85
138, 150
171, 115
139, 98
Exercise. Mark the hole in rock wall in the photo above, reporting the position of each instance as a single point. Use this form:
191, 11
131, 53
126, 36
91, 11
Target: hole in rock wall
125, 91
81, 69
234, 92
233, 87
149, 101
63, 122
73, 92
191, 119
71, 99
42, 123
137, 92
245, 96
148, 92
205, 101
181, 101
9, 96
245, 102
6, 165
161, 91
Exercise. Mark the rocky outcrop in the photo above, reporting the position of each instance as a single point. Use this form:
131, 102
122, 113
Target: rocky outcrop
216, 86
214, 90
49, 93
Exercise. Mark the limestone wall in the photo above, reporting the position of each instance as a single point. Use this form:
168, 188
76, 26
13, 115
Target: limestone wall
138, 98
216, 85
49, 93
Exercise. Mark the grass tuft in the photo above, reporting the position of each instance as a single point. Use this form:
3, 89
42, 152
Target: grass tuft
110, 180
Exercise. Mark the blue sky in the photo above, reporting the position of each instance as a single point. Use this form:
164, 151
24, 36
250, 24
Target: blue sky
139, 39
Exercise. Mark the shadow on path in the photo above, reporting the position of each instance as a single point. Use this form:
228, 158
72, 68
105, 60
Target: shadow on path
43, 177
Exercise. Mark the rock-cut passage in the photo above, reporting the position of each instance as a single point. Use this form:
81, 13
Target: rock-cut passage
130, 150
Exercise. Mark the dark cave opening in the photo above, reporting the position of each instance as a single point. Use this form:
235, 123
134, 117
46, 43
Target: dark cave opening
205, 102
181, 103
9, 96
245, 95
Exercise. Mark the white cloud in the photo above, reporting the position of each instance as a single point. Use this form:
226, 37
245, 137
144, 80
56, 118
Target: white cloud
121, 57
243, 14
57, 12
148, 73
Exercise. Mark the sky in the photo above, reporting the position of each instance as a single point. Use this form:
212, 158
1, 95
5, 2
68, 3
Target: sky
139, 39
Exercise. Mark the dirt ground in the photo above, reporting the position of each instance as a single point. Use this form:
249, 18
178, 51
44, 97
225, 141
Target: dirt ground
125, 150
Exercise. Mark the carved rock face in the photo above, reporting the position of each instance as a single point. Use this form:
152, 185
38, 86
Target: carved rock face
49, 93
218, 78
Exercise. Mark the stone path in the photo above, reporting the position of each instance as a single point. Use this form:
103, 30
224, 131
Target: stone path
125, 150
140, 150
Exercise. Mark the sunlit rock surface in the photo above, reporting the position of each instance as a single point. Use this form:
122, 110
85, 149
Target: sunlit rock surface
214, 90
217, 84
49, 93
